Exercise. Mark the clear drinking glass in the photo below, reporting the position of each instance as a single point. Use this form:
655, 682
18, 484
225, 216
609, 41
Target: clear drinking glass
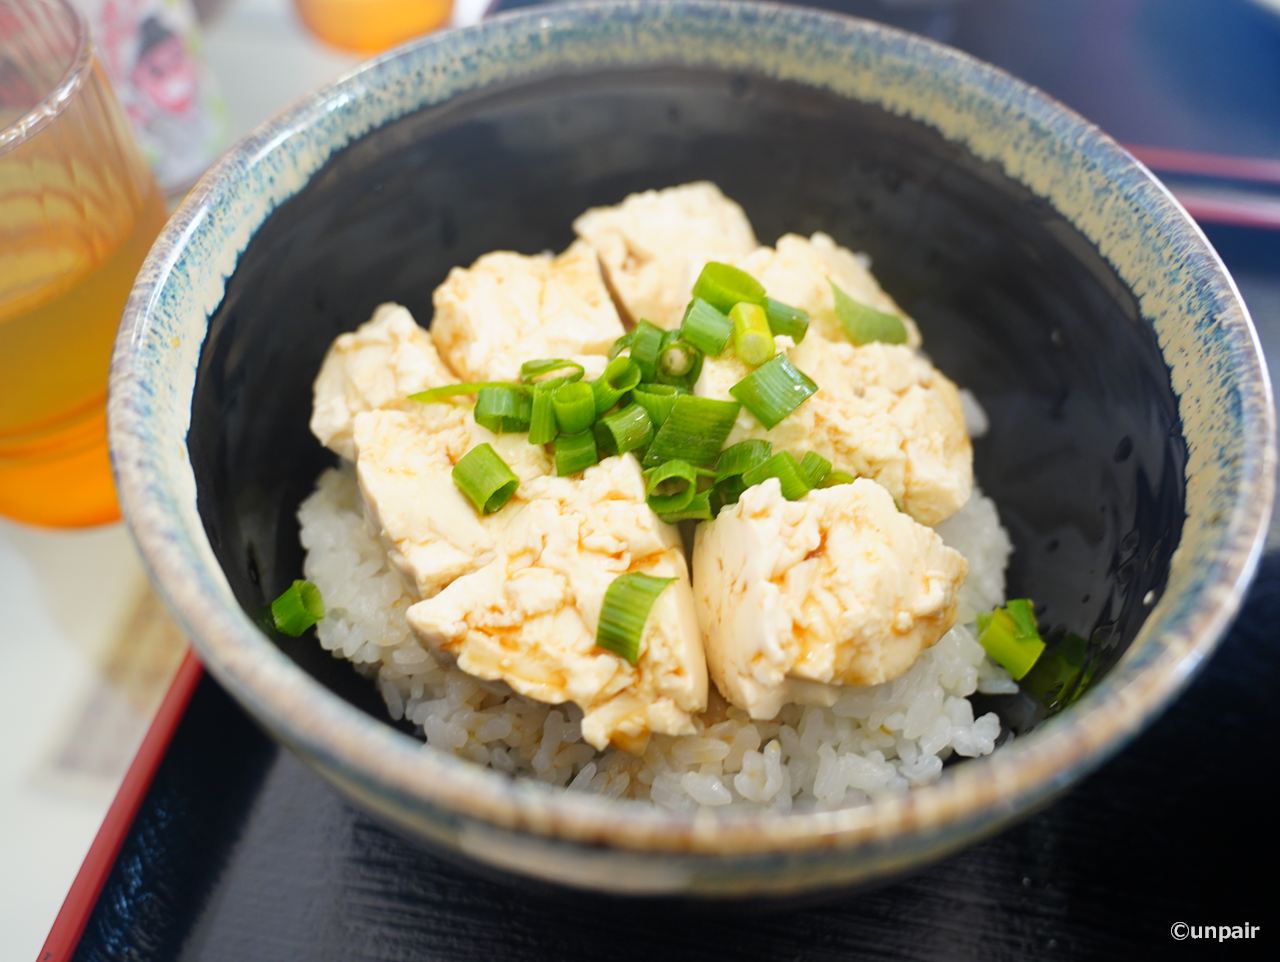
79, 209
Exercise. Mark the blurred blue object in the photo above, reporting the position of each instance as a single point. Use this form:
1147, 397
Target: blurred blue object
1192, 75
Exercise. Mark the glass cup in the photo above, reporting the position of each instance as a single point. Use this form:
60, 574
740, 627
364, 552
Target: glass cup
79, 209
370, 26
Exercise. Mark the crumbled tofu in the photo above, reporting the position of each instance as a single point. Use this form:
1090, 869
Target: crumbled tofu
798, 597
404, 463
799, 271
881, 411
376, 366
508, 308
653, 245
528, 616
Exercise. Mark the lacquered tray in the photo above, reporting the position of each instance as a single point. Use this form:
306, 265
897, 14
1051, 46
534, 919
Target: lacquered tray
222, 845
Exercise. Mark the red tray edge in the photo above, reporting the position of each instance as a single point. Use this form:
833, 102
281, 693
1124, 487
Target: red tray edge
69, 925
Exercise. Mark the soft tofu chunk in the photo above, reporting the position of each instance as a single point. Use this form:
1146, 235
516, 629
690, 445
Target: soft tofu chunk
653, 245
404, 464
528, 617
798, 597
799, 270
508, 308
376, 366
881, 411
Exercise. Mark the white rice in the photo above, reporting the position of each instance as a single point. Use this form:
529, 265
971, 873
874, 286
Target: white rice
873, 741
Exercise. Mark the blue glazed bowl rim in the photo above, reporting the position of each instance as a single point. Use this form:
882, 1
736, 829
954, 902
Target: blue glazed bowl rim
391, 770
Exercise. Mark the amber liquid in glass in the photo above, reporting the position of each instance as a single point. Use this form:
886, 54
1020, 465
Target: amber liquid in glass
78, 212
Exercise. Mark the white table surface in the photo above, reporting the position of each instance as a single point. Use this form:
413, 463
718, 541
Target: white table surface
75, 606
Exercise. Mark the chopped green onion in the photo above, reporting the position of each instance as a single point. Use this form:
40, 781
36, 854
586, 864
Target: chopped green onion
621, 375
837, 477
815, 468
677, 359
670, 487
575, 452
575, 407
863, 324
679, 362
1062, 673
786, 469
621, 344
752, 339
698, 509
706, 328
1023, 613
504, 409
646, 345
1011, 638
297, 609
737, 459
734, 461
485, 479
655, 399
626, 606
722, 286
785, 320
694, 431
626, 430
542, 419
534, 371
774, 390
447, 391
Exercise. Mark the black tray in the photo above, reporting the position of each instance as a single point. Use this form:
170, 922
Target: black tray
237, 852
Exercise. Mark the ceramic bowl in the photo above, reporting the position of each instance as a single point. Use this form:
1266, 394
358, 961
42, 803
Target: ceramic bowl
1131, 445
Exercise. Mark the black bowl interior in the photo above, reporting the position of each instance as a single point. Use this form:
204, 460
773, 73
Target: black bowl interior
1085, 455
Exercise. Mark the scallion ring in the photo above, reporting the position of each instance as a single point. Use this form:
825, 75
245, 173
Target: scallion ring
694, 431
815, 468
837, 477
706, 328
722, 286
542, 417
774, 390
737, 459
1011, 637
485, 479
504, 409
297, 609
626, 606
752, 339
646, 346
628, 429
531, 372
656, 399
699, 508
786, 469
670, 487
785, 320
677, 360
575, 407
575, 452
620, 375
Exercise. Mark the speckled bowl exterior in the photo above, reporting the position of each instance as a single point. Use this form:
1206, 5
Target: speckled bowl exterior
1184, 293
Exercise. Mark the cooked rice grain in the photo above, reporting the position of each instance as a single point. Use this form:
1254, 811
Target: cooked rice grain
873, 741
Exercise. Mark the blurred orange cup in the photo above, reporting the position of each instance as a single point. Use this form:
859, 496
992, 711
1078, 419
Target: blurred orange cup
369, 26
